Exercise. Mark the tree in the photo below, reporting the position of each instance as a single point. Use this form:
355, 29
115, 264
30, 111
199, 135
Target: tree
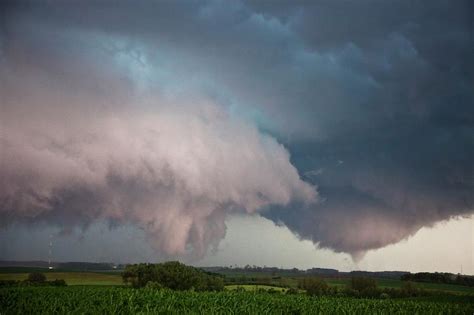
314, 286
409, 289
173, 275
58, 283
36, 277
363, 284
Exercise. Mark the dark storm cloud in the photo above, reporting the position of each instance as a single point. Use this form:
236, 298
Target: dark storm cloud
373, 100
404, 158
99, 125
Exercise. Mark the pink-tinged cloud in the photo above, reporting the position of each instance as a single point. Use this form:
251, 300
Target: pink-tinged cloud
176, 172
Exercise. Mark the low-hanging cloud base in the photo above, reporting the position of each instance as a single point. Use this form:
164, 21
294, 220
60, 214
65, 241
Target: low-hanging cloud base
171, 116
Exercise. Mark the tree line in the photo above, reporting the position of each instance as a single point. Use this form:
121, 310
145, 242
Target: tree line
172, 275
362, 287
34, 279
437, 277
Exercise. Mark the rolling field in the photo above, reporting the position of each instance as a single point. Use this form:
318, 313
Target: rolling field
72, 278
114, 278
103, 292
393, 283
288, 280
382, 283
252, 287
122, 300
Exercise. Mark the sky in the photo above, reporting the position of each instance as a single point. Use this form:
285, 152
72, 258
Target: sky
334, 134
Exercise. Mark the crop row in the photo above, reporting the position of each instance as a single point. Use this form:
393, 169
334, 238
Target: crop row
116, 300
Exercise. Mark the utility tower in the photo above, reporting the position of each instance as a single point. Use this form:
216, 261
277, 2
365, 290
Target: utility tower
50, 253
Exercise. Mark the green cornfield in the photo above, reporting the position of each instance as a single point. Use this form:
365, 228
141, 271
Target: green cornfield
117, 300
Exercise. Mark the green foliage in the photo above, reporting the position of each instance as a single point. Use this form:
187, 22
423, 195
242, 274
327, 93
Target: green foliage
261, 290
438, 277
384, 296
173, 275
58, 283
314, 286
351, 292
36, 277
409, 289
363, 284
153, 285
8, 283
72, 278
367, 288
213, 283
273, 291
239, 289
28, 282
292, 291
126, 300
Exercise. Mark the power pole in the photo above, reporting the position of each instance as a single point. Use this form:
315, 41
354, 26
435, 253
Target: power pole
50, 251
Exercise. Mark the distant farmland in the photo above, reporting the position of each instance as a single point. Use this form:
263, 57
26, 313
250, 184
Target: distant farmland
104, 292
72, 278
113, 277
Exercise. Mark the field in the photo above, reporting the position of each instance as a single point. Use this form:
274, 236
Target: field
252, 287
394, 283
72, 278
114, 278
382, 283
283, 279
122, 300
103, 292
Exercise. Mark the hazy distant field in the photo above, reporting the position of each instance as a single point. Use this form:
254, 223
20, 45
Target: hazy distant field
290, 280
393, 283
114, 278
381, 282
71, 277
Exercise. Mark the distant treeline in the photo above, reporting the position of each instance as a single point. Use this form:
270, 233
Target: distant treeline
324, 272
437, 277
361, 287
265, 269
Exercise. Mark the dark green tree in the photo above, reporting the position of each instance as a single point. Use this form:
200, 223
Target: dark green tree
362, 283
314, 286
36, 277
173, 275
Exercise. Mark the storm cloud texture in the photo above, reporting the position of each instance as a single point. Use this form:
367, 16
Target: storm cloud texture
350, 122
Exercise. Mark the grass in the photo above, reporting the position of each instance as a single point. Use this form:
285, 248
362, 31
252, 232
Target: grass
114, 278
72, 278
394, 283
22, 269
381, 282
254, 287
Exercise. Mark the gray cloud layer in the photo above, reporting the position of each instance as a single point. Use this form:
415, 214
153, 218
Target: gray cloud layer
147, 112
